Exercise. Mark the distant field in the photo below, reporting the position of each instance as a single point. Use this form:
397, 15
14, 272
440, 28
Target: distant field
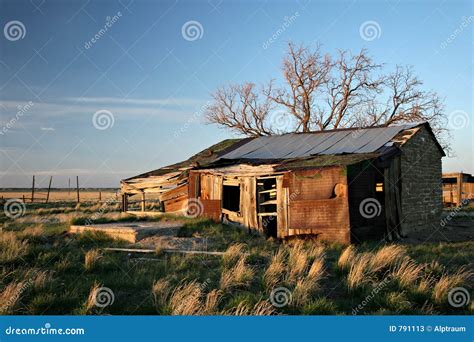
60, 195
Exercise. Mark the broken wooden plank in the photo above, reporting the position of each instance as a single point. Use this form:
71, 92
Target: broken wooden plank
142, 250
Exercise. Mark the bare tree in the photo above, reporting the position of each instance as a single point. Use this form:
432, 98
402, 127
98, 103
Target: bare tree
321, 92
305, 73
240, 108
352, 85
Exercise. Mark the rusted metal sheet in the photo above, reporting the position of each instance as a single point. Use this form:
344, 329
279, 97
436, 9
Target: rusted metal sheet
297, 145
211, 209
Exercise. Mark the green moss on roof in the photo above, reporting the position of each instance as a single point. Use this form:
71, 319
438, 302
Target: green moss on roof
325, 161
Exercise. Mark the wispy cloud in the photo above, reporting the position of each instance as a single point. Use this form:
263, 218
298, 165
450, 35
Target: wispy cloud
170, 101
172, 110
50, 129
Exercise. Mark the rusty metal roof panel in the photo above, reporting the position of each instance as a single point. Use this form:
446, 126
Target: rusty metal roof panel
296, 145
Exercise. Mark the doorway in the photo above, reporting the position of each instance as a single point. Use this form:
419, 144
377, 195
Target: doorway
267, 205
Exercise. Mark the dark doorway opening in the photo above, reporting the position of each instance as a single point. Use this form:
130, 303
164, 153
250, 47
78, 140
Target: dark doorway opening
231, 197
267, 205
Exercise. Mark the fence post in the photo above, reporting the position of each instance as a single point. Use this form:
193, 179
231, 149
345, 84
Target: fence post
33, 190
77, 187
49, 188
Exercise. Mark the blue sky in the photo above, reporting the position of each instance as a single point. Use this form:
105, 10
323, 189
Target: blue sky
154, 82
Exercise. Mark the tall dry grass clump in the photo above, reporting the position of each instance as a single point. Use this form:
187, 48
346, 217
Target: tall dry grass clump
360, 271
237, 276
407, 272
92, 298
38, 279
10, 296
297, 262
186, 299
233, 253
91, 259
210, 305
316, 252
275, 271
160, 291
347, 257
387, 257
307, 286
447, 282
11, 248
189, 299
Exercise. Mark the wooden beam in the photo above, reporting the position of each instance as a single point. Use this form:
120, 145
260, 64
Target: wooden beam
180, 251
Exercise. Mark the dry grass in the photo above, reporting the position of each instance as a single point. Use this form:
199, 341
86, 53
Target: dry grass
32, 231
211, 303
426, 285
240, 275
297, 262
11, 248
276, 269
346, 258
387, 257
160, 291
38, 279
306, 287
303, 291
11, 295
316, 270
91, 259
262, 308
360, 271
316, 251
233, 254
186, 299
448, 282
91, 299
407, 272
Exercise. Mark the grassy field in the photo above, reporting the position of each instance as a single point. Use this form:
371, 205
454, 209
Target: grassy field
46, 270
60, 195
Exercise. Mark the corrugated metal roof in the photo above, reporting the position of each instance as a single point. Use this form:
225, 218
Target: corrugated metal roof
297, 145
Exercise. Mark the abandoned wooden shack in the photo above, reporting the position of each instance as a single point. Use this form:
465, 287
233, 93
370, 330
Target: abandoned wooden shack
458, 187
344, 185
